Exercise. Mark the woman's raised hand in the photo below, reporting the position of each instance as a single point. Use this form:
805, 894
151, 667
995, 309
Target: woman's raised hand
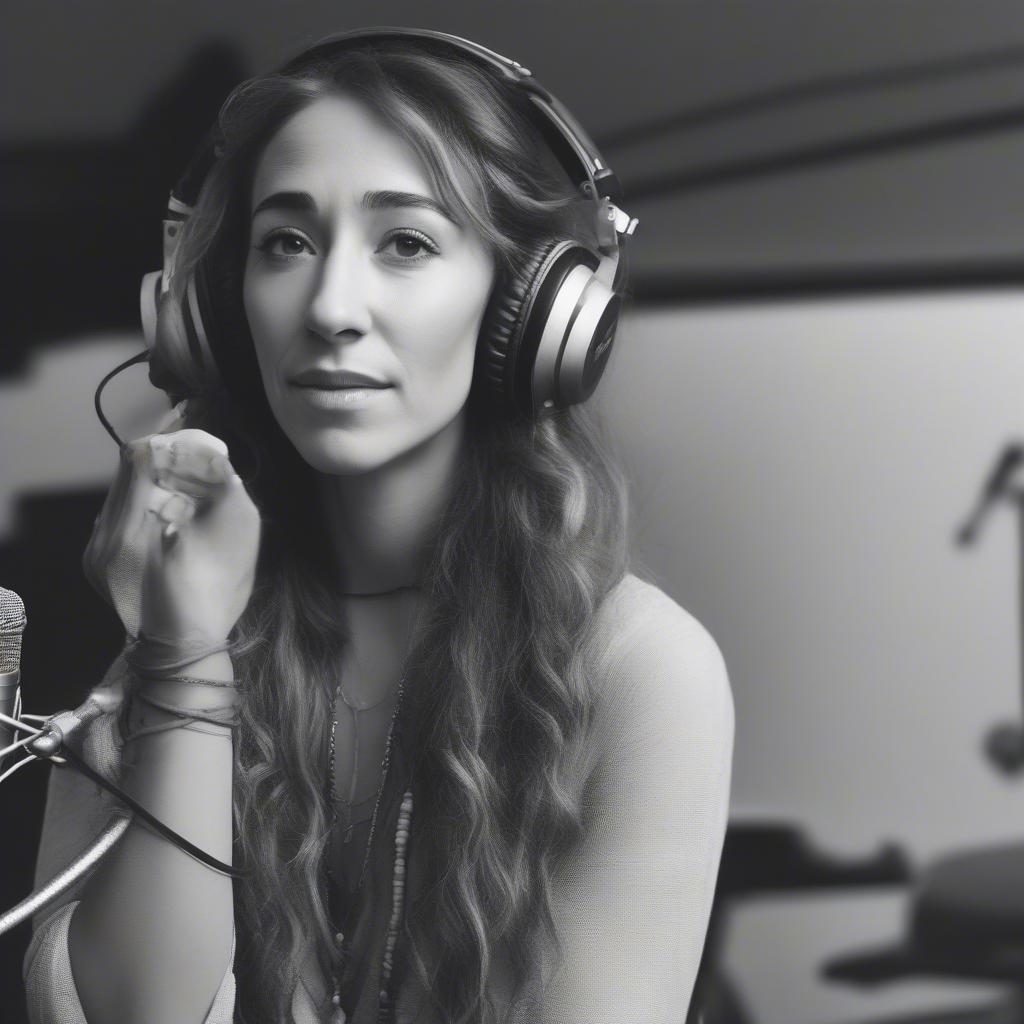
174, 549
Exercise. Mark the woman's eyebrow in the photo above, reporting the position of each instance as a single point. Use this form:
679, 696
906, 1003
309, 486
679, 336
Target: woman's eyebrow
386, 199
286, 201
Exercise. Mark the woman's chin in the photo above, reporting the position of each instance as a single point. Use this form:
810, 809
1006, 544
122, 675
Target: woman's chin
335, 459
335, 464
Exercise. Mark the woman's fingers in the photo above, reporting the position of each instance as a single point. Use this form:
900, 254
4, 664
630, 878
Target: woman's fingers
176, 517
190, 468
189, 461
174, 511
122, 515
174, 508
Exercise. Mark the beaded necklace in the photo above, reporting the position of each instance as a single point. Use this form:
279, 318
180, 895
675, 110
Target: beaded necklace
402, 830
384, 1002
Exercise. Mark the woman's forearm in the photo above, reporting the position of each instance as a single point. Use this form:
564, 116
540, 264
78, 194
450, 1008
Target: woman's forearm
151, 938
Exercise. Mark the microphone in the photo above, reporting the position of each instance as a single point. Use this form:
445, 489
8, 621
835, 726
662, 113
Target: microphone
12, 625
62, 725
53, 737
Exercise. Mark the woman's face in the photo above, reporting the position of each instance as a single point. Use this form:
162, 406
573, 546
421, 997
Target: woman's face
354, 266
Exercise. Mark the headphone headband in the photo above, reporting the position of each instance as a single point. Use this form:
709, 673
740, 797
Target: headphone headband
571, 145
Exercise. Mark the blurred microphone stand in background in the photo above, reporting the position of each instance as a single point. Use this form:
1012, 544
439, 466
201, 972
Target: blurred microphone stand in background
1004, 743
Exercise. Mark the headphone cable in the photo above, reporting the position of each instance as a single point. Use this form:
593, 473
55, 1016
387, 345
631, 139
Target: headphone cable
140, 357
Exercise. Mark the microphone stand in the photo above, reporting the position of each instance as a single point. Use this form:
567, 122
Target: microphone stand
1004, 743
44, 743
66, 878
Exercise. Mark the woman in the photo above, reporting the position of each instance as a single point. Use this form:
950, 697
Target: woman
479, 770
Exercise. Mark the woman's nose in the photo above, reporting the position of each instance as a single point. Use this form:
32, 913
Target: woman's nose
339, 303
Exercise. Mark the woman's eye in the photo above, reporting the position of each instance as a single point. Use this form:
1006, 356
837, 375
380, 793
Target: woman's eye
285, 245
409, 246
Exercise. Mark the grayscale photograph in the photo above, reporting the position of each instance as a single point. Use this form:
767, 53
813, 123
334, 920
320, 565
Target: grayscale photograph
512, 514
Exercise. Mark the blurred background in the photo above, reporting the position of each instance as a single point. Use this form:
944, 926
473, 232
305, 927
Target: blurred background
817, 386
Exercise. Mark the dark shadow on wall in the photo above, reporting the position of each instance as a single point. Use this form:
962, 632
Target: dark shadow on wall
86, 216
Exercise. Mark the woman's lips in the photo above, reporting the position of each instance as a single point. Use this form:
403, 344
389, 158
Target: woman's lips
325, 377
333, 399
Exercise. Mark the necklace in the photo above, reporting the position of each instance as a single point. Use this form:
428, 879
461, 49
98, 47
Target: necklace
398, 876
355, 709
380, 593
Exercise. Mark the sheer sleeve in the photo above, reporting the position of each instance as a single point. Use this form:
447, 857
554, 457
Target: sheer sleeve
633, 905
76, 812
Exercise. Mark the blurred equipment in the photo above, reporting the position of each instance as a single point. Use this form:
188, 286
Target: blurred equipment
966, 920
996, 487
966, 914
966, 923
765, 858
1004, 744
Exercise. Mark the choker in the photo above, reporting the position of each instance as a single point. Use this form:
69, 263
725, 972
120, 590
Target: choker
379, 593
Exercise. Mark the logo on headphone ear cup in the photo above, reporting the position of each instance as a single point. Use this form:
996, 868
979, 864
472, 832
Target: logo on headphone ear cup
548, 332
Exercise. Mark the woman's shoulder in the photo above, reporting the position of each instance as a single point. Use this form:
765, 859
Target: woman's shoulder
655, 662
636, 617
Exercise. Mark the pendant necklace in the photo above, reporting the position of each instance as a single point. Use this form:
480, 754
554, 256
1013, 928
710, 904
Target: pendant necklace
402, 830
356, 709
384, 1001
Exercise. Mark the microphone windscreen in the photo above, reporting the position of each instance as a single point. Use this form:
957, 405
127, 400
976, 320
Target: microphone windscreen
12, 625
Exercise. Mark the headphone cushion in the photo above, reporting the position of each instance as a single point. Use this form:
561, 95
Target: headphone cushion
514, 320
219, 294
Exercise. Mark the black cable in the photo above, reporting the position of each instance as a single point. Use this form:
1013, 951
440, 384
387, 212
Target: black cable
141, 357
794, 93
166, 831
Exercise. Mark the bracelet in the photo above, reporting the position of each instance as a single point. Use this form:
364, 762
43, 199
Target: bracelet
167, 726
191, 680
215, 716
186, 718
180, 723
157, 657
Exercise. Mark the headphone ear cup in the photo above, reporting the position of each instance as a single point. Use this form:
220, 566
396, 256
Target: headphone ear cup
228, 345
497, 352
515, 324
204, 329
184, 335
218, 291
172, 366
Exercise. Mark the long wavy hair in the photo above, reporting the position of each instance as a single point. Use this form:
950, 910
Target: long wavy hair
500, 701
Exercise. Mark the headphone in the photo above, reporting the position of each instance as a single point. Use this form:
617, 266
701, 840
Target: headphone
548, 331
